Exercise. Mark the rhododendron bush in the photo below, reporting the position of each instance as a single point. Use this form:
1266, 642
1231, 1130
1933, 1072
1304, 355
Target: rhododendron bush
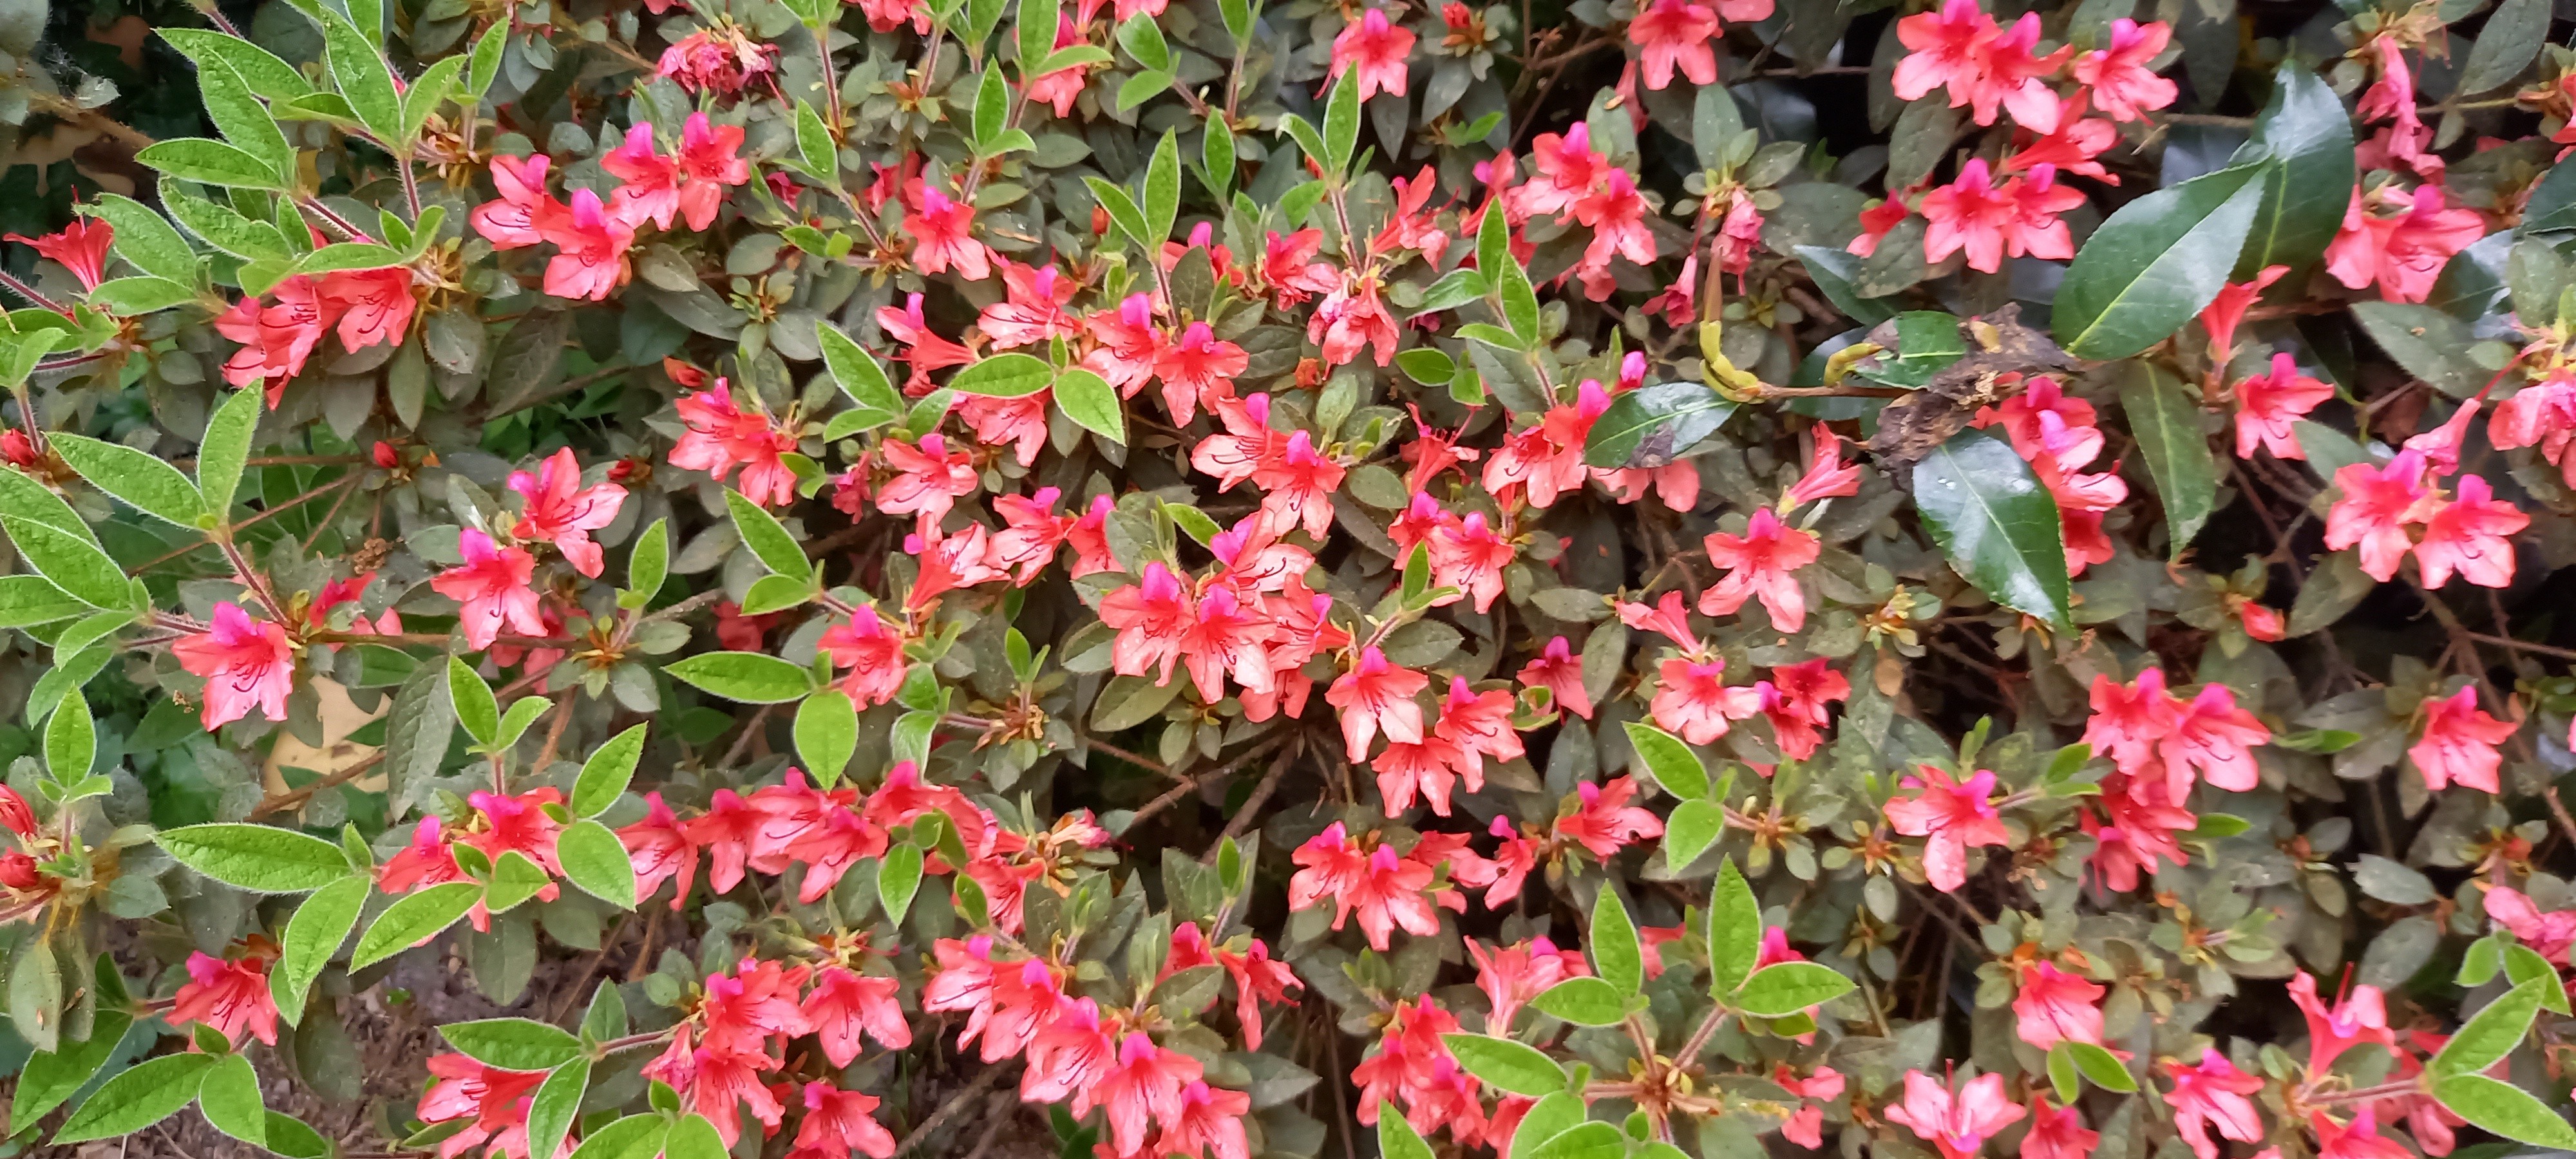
1190, 577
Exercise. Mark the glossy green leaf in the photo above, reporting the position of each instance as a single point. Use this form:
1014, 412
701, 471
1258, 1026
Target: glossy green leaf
859, 376
1652, 426
605, 775
744, 677
1996, 522
2165, 420
2155, 263
2303, 139
826, 734
1091, 403
1584, 1002
1734, 931
1004, 376
476, 708
1670, 762
596, 862
898, 878
414, 918
557, 1103
768, 539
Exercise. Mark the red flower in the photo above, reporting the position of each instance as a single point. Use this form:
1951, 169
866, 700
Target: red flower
2117, 76
495, 1100
2057, 1133
2378, 504
2212, 1094
230, 996
1697, 703
942, 234
1376, 695
80, 247
1796, 699
1953, 816
721, 59
2458, 744
1603, 821
2214, 736
2470, 536
1958, 1124
1561, 673
661, 850
275, 339
1387, 890
491, 589
2268, 404
1144, 1083
1674, 34
1207, 1120
721, 435
2400, 240
2128, 721
1377, 49
2054, 1006
247, 664
838, 1122
652, 181
872, 650
1511, 976
709, 164
563, 512
844, 1003
2359, 1016
1763, 563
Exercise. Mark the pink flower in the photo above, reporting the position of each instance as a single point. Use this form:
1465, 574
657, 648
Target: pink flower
1511, 976
495, 1100
1377, 49
2009, 78
709, 163
2054, 1006
1695, 701
721, 435
1352, 317
2470, 536
2226, 311
652, 181
660, 850
2358, 1017
1603, 821
843, 1004
230, 996
1763, 563
2128, 721
2117, 76
1946, 45
2267, 405
1414, 1069
1826, 475
2400, 240
2548, 934
942, 233
1957, 1124
492, 588
2213, 1095
2377, 505
1208, 1120
1376, 695
1674, 34
2214, 736
2057, 1133
2458, 744
1953, 816
720, 59
374, 306
510, 222
838, 1122
2359, 1140
872, 650
80, 247
2132, 836
561, 511
590, 249
1969, 213
2542, 414
276, 339
1797, 699
247, 663
1559, 671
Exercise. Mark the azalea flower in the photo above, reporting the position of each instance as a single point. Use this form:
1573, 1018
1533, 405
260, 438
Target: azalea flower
1971, 213
721, 59
1385, 889
373, 306
247, 664
230, 996
1559, 671
2400, 240
2378, 504
709, 163
1377, 49
80, 247
1953, 816
2117, 75
942, 234
564, 513
2130, 720
1761, 563
1796, 698
2212, 735
1206, 1120
2471, 536
277, 338
1512, 975
2212, 1094
2054, 1006
1414, 1070
494, 1100
838, 1122
2057, 1133
721, 436
2358, 1017
1695, 702
2268, 404
1674, 34
1376, 695
2358, 1140
1957, 1124
2132, 837
491, 589
2458, 743
1826, 476
2542, 414
2226, 312
590, 249
1603, 821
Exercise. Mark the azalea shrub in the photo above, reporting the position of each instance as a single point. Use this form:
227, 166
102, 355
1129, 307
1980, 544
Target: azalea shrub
1683, 578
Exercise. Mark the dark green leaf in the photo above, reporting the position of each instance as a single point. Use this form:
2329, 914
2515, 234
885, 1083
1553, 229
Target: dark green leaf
1996, 522
2304, 140
2166, 422
2155, 263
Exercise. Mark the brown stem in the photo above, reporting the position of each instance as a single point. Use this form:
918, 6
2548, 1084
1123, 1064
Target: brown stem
297, 797
955, 1104
1178, 791
1242, 818
63, 109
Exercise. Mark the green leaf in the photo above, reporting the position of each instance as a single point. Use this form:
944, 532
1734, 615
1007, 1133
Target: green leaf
1996, 522
1091, 403
1585, 1141
1396, 1139
1122, 210
1552, 1115
476, 708
2491, 1034
225, 229
1672, 763
2503, 1109
515, 878
23, 498
1004, 376
71, 739
1163, 186
209, 162
649, 564
132, 296
312, 935
221, 458
693, 1137
2102, 1067
1616, 956
1583, 1002
485, 65
1217, 156
898, 878
1341, 123
358, 70
1654, 425
436, 84
258, 858
229, 1098
2524, 964
768, 539
1144, 42
146, 240
815, 150
1494, 243
51, 1077
261, 69
1837, 273
556, 1104
2062, 1075
604, 776
1734, 932
1786, 988
414, 918
827, 735
75, 565
595, 861
2166, 422
1511, 285
1035, 31
1506, 1065
744, 677
2508, 42
27, 600
521, 1044
240, 117
2155, 263
633, 1137
2304, 136
141, 1095
859, 376
1693, 827
147, 483
2430, 344
349, 255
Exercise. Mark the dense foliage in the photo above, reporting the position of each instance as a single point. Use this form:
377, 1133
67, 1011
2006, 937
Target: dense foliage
1683, 578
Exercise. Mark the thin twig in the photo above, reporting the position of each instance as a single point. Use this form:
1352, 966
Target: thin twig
297, 797
1242, 818
956, 1103
742, 744
1178, 791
